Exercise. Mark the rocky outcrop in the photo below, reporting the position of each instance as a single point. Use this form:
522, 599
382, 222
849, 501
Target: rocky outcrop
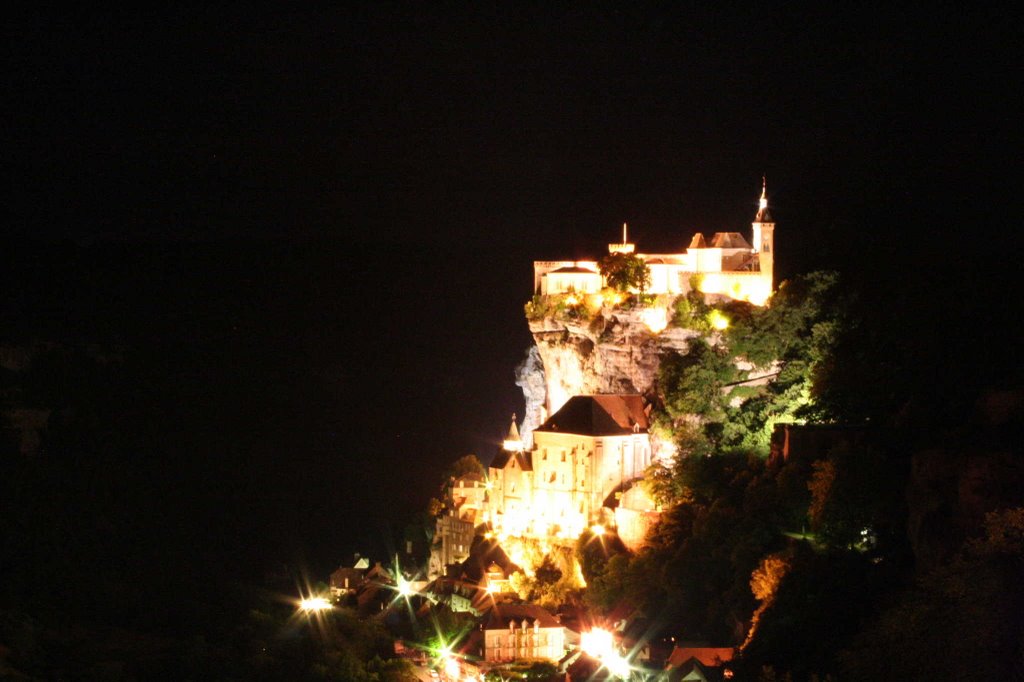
615, 352
530, 377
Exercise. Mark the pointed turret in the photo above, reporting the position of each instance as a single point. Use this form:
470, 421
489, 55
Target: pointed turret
763, 214
513, 442
764, 234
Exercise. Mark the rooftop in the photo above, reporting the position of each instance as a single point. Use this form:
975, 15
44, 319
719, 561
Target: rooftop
599, 415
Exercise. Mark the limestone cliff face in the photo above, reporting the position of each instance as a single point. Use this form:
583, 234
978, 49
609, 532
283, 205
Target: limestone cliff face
615, 352
530, 377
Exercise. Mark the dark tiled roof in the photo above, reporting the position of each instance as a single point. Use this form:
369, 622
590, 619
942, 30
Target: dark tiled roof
729, 240
598, 415
502, 614
763, 216
709, 656
698, 242
523, 460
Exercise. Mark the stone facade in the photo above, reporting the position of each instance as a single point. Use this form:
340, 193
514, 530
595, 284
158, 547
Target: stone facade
580, 459
515, 632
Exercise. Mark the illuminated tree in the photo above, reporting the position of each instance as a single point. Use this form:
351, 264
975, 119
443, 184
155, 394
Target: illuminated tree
625, 271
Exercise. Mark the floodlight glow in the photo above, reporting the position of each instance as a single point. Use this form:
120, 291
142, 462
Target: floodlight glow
597, 529
315, 604
405, 588
451, 667
597, 643
656, 319
617, 665
718, 320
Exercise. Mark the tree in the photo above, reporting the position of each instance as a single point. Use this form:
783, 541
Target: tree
625, 271
850, 491
470, 464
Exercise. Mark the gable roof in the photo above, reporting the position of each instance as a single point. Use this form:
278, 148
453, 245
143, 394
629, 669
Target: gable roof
698, 242
522, 459
575, 269
503, 614
708, 655
598, 415
729, 240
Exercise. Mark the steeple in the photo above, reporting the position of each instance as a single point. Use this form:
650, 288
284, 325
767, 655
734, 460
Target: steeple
763, 215
764, 234
513, 442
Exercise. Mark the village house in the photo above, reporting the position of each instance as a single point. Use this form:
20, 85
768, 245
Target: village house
465, 504
515, 632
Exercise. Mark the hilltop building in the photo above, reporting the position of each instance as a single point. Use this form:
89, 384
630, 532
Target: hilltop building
582, 458
727, 265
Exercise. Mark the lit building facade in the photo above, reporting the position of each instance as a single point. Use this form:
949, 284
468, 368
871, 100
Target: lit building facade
728, 265
465, 509
582, 457
515, 632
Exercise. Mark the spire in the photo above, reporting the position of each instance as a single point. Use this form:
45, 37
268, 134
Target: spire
513, 442
763, 215
513, 430
624, 239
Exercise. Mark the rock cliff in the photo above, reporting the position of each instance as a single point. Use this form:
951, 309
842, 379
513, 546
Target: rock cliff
613, 352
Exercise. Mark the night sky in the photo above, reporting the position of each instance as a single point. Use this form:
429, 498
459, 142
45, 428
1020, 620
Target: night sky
311, 234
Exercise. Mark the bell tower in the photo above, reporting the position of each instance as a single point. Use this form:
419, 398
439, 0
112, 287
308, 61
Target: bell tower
764, 233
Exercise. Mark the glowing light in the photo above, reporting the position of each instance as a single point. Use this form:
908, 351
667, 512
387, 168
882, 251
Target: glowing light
597, 529
597, 643
492, 588
571, 299
405, 587
315, 604
617, 665
718, 320
741, 286
656, 319
451, 667
612, 298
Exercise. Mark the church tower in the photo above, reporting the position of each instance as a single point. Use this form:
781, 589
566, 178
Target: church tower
764, 234
513, 442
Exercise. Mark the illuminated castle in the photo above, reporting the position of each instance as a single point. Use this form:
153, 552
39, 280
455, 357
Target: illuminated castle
728, 266
582, 458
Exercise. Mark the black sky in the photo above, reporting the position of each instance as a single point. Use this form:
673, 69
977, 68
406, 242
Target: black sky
316, 229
